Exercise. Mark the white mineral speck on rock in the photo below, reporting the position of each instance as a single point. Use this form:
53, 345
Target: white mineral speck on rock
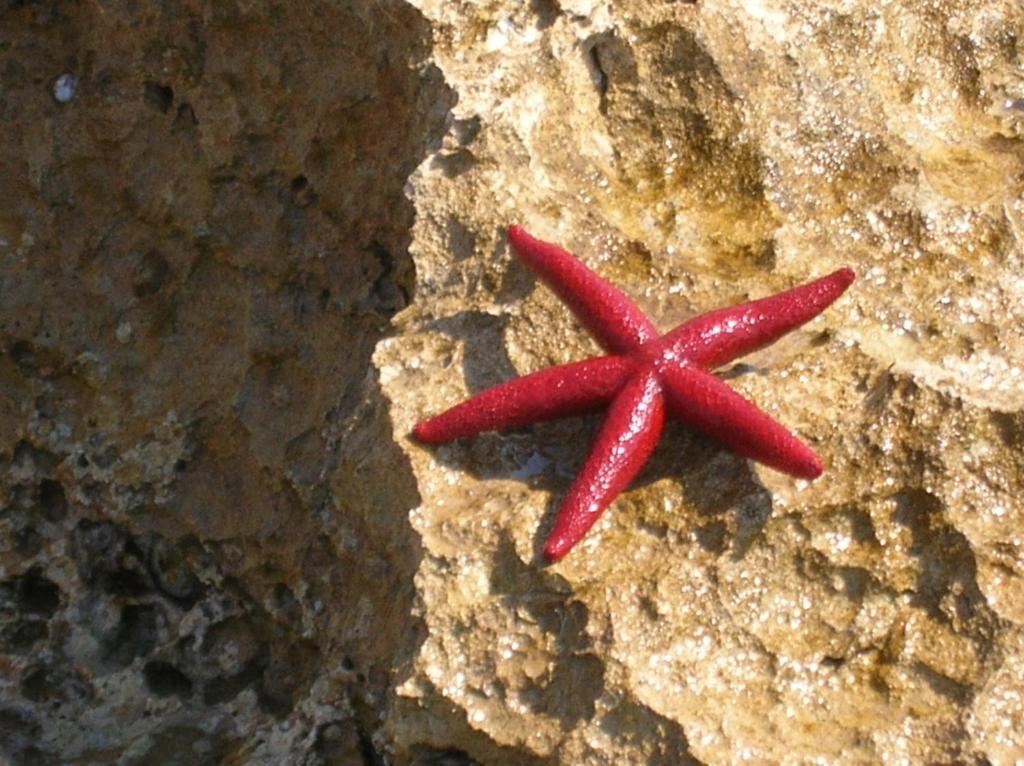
64, 87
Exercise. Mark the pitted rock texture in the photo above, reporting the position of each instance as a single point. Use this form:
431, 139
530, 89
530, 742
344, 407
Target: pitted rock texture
698, 155
203, 235
245, 246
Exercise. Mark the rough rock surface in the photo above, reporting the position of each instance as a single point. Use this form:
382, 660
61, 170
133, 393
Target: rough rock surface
697, 155
218, 544
203, 234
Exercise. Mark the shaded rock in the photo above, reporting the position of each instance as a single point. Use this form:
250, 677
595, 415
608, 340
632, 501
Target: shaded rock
204, 235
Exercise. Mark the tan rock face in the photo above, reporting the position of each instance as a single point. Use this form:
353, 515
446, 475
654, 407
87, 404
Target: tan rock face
698, 155
218, 544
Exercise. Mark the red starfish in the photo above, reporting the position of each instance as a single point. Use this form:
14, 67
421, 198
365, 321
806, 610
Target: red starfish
644, 376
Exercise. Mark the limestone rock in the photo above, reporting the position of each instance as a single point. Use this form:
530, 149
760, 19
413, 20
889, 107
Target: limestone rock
203, 234
246, 246
698, 155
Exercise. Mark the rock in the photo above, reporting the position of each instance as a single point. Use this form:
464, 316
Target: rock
696, 156
247, 246
204, 235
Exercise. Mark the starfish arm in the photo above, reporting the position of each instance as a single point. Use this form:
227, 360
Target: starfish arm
627, 438
569, 389
604, 310
718, 337
705, 403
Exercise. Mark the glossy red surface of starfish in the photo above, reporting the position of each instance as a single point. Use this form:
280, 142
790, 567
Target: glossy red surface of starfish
645, 377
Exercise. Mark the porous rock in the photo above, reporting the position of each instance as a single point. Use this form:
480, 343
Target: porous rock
203, 234
246, 246
698, 155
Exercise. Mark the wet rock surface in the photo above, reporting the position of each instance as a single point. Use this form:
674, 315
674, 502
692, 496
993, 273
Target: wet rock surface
698, 155
245, 247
